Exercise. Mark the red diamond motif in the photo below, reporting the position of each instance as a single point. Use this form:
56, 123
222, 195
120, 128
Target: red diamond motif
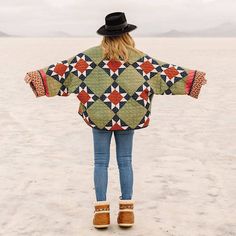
83, 96
81, 65
60, 69
114, 65
147, 67
115, 97
116, 127
65, 94
171, 72
144, 94
146, 122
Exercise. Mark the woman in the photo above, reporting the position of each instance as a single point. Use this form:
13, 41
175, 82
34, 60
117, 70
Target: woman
115, 83
115, 46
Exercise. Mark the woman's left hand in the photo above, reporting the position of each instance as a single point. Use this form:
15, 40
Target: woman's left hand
204, 81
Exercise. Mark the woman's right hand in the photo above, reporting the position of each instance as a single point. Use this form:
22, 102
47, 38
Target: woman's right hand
28, 79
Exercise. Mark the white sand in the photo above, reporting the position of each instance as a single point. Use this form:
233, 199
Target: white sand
184, 162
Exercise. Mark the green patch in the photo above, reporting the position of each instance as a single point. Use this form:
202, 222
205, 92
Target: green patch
132, 113
100, 113
134, 56
178, 88
72, 82
98, 81
130, 80
158, 84
53, 86
95, 53
163, 86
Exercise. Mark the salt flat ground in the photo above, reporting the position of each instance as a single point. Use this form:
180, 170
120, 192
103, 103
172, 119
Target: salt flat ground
184, 163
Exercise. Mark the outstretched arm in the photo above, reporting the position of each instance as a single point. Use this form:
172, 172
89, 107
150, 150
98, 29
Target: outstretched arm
171, 79
59, 79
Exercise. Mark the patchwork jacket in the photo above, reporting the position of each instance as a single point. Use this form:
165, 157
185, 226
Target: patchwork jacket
114, 94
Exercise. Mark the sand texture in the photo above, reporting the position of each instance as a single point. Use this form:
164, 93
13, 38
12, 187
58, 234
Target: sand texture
184, 162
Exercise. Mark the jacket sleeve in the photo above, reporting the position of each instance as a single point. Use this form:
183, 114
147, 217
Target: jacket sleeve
60, 78
171, 79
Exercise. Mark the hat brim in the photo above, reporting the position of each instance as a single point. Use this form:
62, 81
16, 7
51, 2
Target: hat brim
105, 32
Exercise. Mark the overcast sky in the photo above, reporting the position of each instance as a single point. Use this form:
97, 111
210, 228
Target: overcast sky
84, 17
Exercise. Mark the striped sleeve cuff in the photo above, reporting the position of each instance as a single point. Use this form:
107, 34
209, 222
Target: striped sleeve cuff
196, 84
36, 83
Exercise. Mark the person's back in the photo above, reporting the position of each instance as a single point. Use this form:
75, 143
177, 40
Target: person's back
115, 84
115, 94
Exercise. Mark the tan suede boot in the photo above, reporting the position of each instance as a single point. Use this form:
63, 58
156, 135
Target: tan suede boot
101, 217
126, 215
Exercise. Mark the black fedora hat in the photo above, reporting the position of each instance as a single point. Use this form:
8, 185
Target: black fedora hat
115, 24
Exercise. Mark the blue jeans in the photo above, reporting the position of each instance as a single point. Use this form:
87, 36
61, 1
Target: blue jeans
124, 143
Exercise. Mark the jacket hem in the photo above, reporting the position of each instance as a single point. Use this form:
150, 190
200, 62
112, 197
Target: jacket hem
129, 128
95, 127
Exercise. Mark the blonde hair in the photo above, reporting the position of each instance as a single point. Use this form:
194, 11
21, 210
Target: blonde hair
117, 47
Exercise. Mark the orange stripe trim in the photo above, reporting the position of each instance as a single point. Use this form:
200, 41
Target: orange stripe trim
189, 81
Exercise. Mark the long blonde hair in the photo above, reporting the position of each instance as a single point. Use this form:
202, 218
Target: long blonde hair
117, 47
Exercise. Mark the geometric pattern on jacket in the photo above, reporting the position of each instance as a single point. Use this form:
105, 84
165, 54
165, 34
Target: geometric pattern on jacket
113, 94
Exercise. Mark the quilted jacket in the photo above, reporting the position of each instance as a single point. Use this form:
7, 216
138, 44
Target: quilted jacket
114, 94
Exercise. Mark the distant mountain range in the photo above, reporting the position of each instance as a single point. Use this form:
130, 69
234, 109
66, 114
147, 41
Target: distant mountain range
50, 34
224, 30
2, 34
58, 34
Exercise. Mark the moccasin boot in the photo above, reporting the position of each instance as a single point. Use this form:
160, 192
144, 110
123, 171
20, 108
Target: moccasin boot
126, 215
101, 218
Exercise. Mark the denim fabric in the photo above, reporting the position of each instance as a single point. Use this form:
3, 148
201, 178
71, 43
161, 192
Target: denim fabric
124, 143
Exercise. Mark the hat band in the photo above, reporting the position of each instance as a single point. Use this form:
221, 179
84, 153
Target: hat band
116, 27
